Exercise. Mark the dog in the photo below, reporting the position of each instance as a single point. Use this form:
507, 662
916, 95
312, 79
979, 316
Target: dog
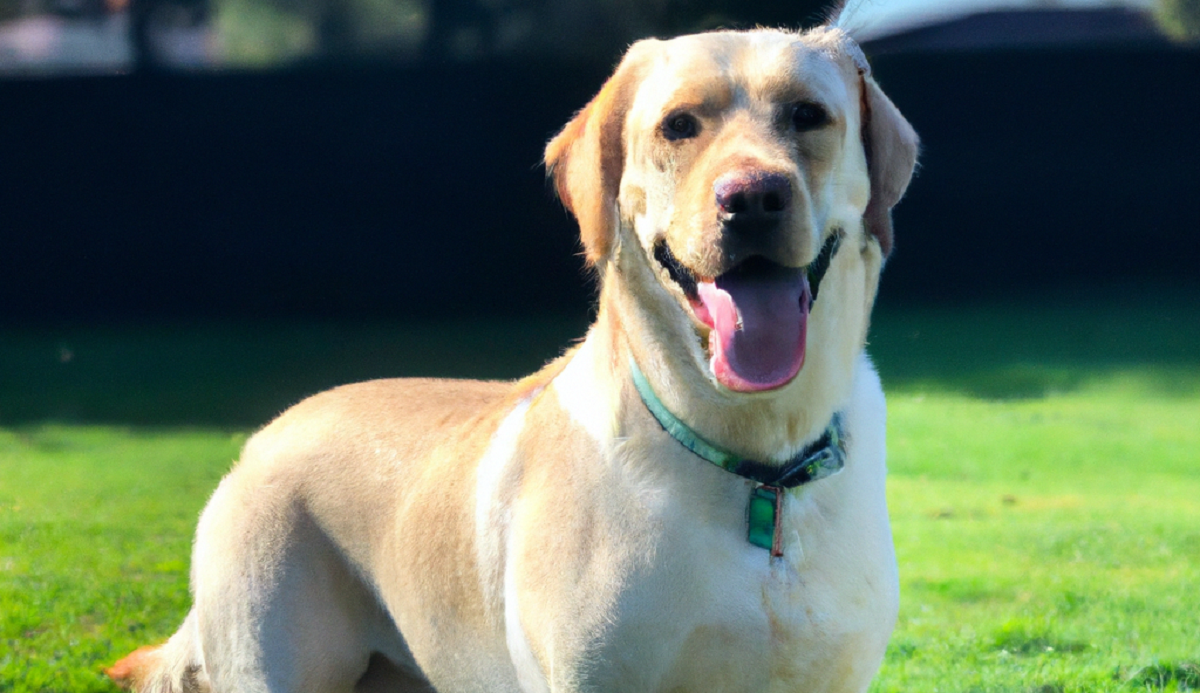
692, 498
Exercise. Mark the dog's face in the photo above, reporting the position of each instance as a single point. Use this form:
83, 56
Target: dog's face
721, 174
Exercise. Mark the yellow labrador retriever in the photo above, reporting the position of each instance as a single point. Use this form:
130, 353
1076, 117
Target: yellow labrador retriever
691, 499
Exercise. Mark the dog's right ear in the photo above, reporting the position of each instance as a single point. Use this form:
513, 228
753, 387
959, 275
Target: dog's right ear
587, 157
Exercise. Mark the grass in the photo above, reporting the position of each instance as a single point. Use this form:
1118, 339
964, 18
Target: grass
95, 527
1046, 545
1044, 491
1044, 486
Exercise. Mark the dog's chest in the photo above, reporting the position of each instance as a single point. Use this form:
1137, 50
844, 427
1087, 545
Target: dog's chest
714, 612
658, 587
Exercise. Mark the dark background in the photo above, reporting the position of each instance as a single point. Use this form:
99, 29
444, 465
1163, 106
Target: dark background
376, 189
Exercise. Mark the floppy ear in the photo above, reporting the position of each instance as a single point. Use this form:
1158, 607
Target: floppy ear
586, 159
891, 145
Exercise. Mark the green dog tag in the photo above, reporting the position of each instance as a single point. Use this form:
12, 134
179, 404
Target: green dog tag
763, 516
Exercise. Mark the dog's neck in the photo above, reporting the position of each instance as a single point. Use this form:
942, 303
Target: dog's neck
820, 459
772, 427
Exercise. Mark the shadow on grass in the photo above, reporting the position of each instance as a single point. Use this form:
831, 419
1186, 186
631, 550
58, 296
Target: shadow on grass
1039, 345
240, 375
1167, 677
1021, 639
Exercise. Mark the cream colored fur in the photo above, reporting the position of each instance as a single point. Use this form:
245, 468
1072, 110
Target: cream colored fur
548, 534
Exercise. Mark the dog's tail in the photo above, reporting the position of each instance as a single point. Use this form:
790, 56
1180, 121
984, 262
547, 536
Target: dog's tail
175, 666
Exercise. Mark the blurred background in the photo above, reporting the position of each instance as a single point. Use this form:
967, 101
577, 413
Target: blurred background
270, 196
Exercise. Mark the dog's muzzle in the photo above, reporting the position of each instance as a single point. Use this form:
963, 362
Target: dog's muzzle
757, 313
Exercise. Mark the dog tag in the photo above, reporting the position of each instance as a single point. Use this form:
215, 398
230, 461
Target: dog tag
764, 517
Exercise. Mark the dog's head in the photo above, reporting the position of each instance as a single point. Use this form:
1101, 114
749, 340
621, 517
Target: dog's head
719, 176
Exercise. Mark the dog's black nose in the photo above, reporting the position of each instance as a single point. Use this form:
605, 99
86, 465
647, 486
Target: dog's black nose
752, 197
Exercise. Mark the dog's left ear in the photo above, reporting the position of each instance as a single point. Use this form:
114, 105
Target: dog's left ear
586, 159
891, 145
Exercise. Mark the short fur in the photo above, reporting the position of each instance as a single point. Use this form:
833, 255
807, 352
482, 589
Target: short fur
412, 534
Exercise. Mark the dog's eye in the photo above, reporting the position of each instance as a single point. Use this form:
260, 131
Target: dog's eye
808, 116
679, 126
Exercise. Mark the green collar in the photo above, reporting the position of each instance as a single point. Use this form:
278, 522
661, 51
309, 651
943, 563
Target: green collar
821, 459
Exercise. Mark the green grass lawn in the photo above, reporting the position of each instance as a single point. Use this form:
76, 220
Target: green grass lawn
1044, 479
1046, 545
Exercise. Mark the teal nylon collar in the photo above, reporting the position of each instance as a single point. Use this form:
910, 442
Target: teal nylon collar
821, 459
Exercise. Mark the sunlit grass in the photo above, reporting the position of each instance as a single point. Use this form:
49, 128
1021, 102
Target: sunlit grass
95, 527
1045, 545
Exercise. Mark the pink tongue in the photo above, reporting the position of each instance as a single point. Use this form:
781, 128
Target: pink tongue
765, 350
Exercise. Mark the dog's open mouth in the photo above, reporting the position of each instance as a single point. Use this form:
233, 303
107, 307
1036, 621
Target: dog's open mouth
757, 314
